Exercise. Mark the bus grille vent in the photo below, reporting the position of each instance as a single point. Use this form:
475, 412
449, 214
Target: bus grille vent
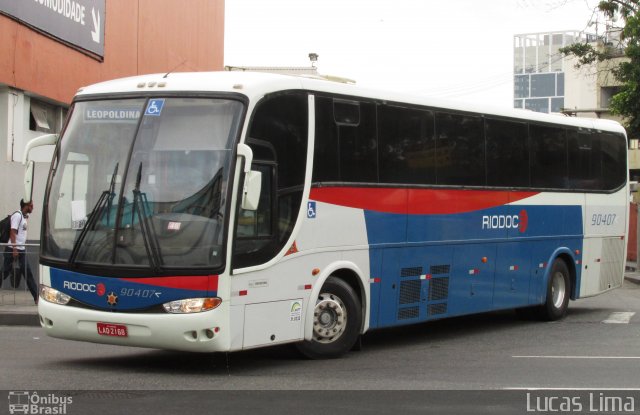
439, 269
438, 289
435, 309
411, 272
611, 269
410, 291
409, 312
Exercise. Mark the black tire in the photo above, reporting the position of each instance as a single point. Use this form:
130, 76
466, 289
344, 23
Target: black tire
336, 322
558, 293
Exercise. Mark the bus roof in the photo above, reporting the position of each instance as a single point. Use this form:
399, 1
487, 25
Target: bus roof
255, 85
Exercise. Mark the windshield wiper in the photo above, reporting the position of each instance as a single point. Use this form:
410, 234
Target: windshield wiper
149, 235
106, 198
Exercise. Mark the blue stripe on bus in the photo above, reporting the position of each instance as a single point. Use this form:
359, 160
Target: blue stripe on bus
119, 294
434, 266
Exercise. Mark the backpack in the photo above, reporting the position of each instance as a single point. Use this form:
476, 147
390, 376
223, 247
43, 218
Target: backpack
5, 228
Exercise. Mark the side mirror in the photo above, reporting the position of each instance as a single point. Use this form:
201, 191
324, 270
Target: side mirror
28, 181
43, 140
251, 190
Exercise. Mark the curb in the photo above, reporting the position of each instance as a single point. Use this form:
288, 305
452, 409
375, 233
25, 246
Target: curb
634, 278
13, 318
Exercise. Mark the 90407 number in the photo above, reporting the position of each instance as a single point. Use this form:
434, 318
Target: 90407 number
133, 292
600, 219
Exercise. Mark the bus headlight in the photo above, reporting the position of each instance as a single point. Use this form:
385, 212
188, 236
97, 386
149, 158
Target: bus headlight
192, 305
53, 296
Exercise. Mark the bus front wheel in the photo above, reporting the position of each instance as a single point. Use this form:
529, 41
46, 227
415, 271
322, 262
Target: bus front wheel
558, 292
337, 318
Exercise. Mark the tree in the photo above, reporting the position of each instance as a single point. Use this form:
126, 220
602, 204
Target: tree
626, 102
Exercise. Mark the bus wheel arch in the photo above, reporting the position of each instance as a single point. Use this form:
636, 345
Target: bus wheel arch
571, 266
355, 282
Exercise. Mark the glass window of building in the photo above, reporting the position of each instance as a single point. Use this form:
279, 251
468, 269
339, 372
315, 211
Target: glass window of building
537, 104
560, 84
521, 88
557, 104
543, 85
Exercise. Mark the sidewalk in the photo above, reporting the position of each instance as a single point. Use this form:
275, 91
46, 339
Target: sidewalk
17, 308
632, 273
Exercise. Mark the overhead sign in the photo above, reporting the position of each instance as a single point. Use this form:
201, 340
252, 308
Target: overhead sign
77, 22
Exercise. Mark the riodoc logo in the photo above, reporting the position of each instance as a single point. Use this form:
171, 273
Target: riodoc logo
79, 286
24, 402
519, 221
99, 288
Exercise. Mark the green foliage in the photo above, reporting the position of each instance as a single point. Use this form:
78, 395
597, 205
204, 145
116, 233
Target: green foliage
627, 102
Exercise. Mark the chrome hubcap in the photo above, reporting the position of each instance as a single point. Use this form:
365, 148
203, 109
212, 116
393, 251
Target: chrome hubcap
558, 289
330, 318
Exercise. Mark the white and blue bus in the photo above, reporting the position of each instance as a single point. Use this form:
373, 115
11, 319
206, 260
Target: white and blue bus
226, 211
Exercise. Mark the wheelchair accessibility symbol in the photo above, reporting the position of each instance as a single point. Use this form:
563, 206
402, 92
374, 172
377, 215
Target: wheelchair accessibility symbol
155, 107
311, 210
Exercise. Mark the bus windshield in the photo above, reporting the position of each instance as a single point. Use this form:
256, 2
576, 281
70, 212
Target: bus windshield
142, 183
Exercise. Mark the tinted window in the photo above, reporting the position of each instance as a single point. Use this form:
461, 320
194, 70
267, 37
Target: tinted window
359, 147
282, 122
585, 161
459, 150
597, 161
406, 146
326, 162
614, 160
346, 112
549, 157
507, 153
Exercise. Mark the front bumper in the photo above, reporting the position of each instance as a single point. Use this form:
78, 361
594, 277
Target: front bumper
198, 332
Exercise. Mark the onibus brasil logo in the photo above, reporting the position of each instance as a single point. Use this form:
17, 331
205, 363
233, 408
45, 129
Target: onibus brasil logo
24, 402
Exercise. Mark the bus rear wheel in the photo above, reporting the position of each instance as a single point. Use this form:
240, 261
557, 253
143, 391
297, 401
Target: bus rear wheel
337, 318
558, 292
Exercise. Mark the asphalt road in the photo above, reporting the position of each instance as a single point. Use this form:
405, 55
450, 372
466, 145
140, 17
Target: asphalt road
596, 347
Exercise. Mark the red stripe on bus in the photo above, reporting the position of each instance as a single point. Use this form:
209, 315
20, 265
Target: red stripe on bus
200, 283
416, 201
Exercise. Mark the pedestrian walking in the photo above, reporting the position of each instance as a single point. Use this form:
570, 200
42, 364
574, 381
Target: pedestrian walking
15, 259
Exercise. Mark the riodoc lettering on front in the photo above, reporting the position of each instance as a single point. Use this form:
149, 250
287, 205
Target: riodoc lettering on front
78, 286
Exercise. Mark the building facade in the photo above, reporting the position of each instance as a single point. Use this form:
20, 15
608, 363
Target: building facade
547, 81
50, 48
540, 69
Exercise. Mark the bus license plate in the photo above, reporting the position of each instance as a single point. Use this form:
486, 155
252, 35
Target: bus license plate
115, 330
